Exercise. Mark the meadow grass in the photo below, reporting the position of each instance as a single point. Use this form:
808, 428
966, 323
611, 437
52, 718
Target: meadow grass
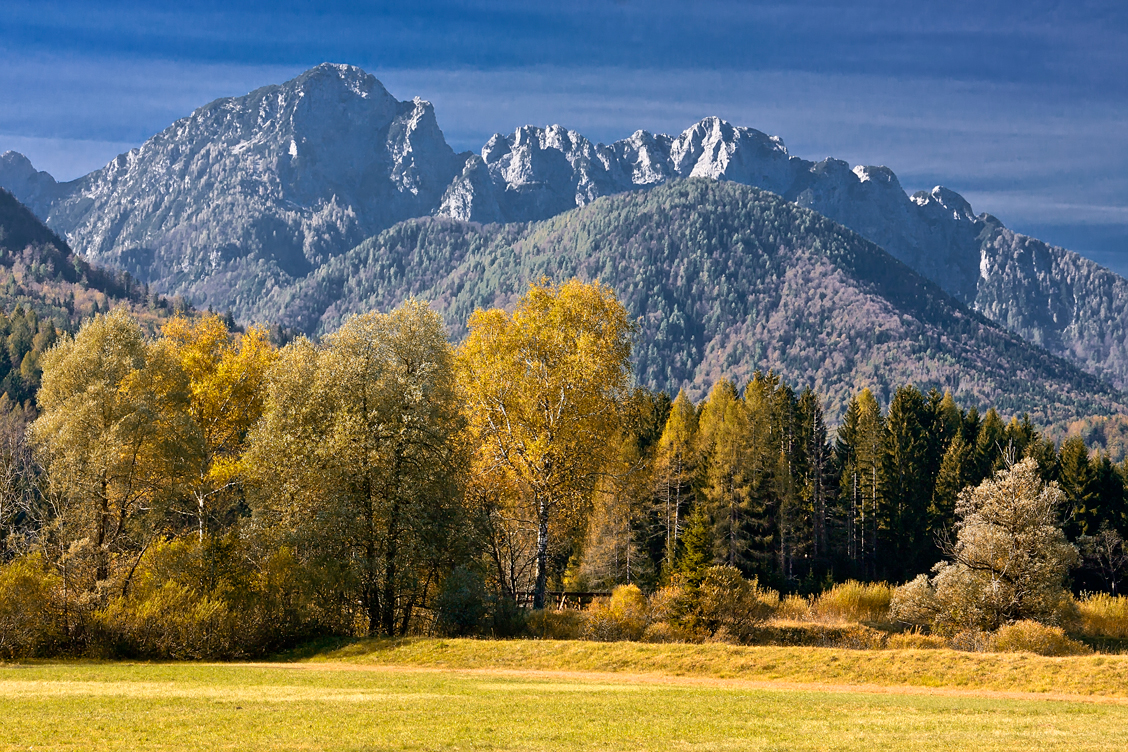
429, 694
320, 706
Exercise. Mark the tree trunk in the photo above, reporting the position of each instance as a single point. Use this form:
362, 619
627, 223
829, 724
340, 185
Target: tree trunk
542, 555
390, 553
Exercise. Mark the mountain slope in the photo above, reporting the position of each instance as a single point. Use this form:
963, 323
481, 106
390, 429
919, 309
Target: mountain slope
725, 279
258, 190
253, 193
45, 289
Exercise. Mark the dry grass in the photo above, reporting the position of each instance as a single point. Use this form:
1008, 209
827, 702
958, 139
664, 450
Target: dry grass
1096, 675
1104, 615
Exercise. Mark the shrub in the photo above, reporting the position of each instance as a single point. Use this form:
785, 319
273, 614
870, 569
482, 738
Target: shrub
1103, 615
1033, 637
624, 617
664, 631
729, 606
462, 605
168, 621
855, 601
29, 613
551, 624
806, 634
671, 604
914, 603
971, 641
794, 607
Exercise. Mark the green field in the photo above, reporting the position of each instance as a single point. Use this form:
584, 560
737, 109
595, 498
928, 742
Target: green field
380, 696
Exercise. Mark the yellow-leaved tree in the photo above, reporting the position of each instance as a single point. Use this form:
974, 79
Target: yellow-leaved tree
115, 436
358, 462
544, 389
227, 377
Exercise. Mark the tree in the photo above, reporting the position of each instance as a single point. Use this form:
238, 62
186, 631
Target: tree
1009, 561
863, 478
358, 457
227, 383
115, 433
1078, 480
726, 491
817, 489
955, 475
545, 388
908, 485
675, 469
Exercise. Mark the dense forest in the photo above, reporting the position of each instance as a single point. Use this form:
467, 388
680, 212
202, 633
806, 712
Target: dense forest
203, 487
724, 280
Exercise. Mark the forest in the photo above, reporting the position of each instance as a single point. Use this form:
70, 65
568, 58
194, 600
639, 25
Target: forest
206, 493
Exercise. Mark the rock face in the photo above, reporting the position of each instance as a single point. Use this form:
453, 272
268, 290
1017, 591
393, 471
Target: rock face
34, 189
251, 194
255, 191
537, 173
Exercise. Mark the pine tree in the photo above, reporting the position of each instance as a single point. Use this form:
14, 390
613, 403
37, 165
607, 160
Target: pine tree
908, 485
1078, 484
696, 554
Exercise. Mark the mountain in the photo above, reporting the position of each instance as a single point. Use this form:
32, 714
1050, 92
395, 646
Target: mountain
255, 191
248, 196
46, 290
724, 279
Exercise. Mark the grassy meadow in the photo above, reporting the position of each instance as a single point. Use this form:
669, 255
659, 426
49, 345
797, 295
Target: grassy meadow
533, 695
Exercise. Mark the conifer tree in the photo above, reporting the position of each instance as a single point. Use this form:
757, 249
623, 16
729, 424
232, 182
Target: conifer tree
675, 470
1078, 480
904, 537
722, 435
817, 490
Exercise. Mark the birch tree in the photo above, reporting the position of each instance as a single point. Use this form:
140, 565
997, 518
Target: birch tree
544, 390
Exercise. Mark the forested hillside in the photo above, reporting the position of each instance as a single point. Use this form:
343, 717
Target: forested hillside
725, 279
46, 289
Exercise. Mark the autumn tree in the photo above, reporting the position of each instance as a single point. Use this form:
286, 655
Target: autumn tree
358, 458
115, 433
724, 442
544, 390
227, 383
675, 471
1009, 561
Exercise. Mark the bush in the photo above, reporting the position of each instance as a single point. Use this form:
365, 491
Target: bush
1103, 615
29, 612
914, 603
664, 631
855, 601
624, 617
729, 606
551, 624
794, 607
168, 621
801, 634
1033, 637
462, 605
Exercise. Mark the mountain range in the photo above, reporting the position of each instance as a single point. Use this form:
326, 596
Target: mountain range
253, 203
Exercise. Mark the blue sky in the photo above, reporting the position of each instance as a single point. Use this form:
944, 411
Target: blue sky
1021, 107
